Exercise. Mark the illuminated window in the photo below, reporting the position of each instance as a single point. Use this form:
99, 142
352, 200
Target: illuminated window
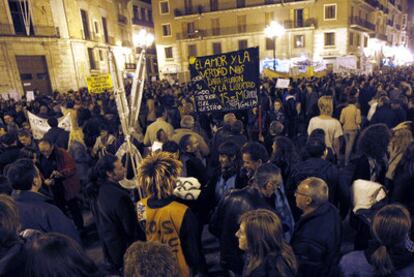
330, 39
330, 12
299, 41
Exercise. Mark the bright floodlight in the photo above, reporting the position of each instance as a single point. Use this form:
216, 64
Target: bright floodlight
143, 39
274, 30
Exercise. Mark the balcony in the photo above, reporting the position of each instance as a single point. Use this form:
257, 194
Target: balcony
39, 31
229, 5
140, 22
290, 24
383, 8
361, 23
122, 19
373, 3
379, 36
249, 28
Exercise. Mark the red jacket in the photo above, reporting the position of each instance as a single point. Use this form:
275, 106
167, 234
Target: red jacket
67, 166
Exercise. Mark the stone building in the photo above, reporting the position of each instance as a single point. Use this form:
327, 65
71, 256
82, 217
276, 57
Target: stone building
317, 30
55, 44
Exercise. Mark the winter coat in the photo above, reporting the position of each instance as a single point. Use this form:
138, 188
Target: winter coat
36, 212
82, 159
317, 241
67, 167
385, 115
116, 221
315, 167
58, 137
358, 264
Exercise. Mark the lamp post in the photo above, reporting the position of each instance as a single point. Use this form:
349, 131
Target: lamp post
273, 31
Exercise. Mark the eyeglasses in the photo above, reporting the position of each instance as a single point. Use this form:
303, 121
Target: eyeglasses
301, 193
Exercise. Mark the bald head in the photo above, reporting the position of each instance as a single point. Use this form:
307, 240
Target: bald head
315, 190
187, 122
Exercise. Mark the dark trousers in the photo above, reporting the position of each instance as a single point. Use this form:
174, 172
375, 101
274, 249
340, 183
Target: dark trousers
70, 208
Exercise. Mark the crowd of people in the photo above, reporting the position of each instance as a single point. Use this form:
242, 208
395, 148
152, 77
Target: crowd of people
282, 187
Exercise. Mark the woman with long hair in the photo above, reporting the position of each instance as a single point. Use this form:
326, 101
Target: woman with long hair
400, 140
54, 254
391, 252
284, 155
261, 236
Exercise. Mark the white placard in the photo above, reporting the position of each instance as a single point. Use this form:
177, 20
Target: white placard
30, 96
282, 83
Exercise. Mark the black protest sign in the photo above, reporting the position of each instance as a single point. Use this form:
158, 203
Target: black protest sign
226, 82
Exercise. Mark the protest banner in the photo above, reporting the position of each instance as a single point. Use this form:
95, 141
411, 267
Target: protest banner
345, 64
282, 83
40, 126
99, 83
226, 82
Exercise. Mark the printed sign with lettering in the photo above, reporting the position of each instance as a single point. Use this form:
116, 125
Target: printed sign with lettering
226, 82
99, 83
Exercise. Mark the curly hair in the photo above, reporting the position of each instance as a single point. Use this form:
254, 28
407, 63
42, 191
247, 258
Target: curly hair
374, 140
158, 173
150, 259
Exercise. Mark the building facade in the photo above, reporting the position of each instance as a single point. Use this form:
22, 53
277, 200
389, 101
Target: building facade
317, 30
49, 45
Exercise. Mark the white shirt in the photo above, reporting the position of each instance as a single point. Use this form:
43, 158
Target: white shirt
331, 126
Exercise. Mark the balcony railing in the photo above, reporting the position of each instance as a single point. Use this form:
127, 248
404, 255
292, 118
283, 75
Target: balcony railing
383, 8
291, 24
227, 5
362, 23
373, 3
122, 19
140, 22
39, 31
379, 36
249, 28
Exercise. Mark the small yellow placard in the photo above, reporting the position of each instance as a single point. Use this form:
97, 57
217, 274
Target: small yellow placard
99, 83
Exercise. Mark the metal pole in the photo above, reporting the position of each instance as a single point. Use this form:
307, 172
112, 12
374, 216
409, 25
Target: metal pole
274, 53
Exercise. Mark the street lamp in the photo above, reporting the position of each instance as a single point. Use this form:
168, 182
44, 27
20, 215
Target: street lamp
273, 31
143, 39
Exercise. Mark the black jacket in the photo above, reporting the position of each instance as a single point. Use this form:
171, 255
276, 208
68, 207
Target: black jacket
269, 268
9, 155
58, 136
194, 167
36, 213
12, 259
314, 167
403, 191
116, 221
385, 115
225, 223
317, 241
